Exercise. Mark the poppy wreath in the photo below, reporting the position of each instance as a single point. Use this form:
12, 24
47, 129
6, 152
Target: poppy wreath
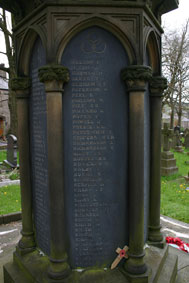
178, 242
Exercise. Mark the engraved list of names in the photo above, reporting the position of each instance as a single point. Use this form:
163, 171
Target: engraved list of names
95, 147
38, 126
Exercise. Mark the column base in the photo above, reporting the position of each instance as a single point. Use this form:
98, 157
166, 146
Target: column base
58, 269
135, 264
155, 237
154, 234
26, 244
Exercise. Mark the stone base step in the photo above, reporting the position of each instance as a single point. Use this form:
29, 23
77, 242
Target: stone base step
30, 268
169, 271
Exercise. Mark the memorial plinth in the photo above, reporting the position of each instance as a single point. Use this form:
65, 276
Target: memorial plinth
89, 91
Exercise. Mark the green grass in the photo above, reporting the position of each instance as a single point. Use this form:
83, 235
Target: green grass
175, 200
10, 199
174, 197
3, 155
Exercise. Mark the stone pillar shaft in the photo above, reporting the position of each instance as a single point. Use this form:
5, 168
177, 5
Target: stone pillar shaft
136, 172
136, 78
21, 87
157, 85
53, 76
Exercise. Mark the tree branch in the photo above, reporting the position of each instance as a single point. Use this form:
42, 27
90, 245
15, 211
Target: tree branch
4, 53
2, 68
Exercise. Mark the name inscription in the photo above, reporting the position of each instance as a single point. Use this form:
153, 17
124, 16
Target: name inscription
95, 147
39, 150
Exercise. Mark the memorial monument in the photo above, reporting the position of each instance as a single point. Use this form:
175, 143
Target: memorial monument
89, 89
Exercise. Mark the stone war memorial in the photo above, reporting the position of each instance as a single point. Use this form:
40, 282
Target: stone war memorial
89, 89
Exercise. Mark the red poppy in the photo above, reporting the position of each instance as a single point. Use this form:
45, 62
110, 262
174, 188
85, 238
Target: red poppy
177, 241
122, 253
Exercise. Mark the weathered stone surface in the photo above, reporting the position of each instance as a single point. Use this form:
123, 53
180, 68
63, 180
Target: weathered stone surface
21, 8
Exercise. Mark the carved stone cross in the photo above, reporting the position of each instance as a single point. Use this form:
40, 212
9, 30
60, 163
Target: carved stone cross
167, 135
121, 254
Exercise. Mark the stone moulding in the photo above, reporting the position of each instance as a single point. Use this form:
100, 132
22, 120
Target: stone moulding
53, 73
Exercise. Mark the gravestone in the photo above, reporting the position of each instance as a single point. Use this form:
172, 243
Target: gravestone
168, 162
174, 141
178, 146
11, 151
177, 129
186, 140
89, 91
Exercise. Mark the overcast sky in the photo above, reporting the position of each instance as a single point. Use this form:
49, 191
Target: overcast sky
172, 20
176, 18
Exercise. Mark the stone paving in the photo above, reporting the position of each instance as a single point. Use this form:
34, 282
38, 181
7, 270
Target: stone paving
10, 235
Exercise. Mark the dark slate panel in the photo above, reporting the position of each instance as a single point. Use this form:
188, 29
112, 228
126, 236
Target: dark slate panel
95, 107
38, 138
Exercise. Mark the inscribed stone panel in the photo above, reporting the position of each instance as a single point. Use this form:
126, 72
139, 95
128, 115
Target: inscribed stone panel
95, 118
38, 133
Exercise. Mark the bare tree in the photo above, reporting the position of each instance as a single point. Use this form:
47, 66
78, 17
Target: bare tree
175, 64
11, 70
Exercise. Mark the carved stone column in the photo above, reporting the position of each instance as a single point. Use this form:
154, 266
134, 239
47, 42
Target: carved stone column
136, 78
54, 76
21, 86
157, 86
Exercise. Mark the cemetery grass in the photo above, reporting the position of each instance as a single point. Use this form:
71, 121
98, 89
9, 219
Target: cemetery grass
174, 196
3, 156
10, 200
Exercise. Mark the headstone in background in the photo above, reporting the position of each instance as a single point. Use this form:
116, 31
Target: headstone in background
186, 140
177, 129
187, 180
11, 151
168, 162
178, 146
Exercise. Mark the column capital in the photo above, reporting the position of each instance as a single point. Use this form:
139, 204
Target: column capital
157, 85
136, 77
53, 76
21, 86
